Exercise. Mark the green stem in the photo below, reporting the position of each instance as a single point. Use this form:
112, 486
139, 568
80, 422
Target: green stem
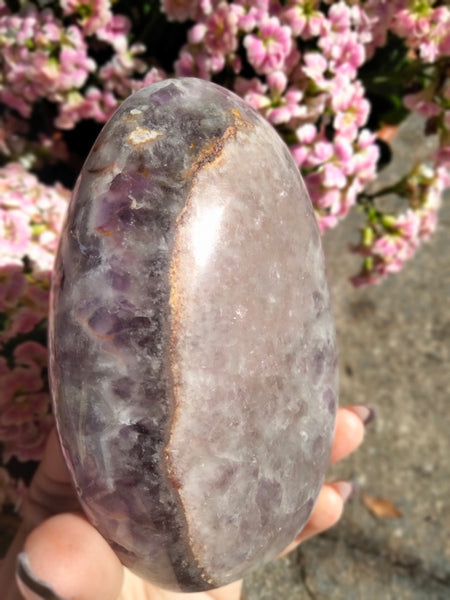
397, 188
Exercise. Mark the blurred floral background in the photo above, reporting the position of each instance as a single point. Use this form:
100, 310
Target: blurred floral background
334, 78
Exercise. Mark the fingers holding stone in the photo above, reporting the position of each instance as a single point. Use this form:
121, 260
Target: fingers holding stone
349, 434
327, 511
51, 490
65, 557
350, 428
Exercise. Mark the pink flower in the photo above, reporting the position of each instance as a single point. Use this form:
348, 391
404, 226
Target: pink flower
287, 107
268, 50
428, 220
115, 32
13, 132
333, 176
92, 14
350, 106
389, 241
153, 75
344, 52
31, 355
41, 59
221, 29
74, 63
299, 153
212, 43
185, 65
335, 171
327, 221
25, 405
384, 255
96, 104
194, 62
343, 150
375, 18
25, 441
12, 285
180, 10
422, 103
22, 320
303, 18
254, 14
339, 18
340, 42
18, 382
425, 28
196, 34
24, 300
321, 152
25, 408
306, 133
253, 91
117, 74
393, 251
315, 67
407, 225
14, 232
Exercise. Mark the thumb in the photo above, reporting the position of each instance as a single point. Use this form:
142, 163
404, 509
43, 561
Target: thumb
65, 557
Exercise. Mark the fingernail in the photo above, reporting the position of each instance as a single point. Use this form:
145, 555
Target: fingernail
365, 412
346, 489
27, 578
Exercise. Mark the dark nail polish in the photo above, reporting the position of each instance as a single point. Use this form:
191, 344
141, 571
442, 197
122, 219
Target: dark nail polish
365, 412
34, 584
346, 489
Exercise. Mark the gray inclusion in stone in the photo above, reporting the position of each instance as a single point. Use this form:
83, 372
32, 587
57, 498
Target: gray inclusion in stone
193, 360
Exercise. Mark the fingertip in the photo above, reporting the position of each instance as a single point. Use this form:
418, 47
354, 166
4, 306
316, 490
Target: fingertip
30, 585
326, 513
366, 412
53, 459
329, 507
68, 557
349, 435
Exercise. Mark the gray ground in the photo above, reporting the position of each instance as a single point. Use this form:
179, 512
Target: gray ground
394, 352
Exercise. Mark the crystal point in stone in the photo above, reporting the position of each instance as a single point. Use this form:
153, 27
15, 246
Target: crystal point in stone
193, 359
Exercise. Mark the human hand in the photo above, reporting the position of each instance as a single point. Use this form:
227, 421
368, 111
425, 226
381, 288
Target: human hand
58, 555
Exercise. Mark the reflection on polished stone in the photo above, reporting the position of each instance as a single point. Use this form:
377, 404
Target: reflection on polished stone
193, 359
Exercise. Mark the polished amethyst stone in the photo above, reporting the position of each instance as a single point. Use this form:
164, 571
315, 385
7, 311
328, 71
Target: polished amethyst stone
193, 359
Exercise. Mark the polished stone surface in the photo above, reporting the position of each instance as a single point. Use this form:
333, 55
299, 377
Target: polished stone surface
193, 359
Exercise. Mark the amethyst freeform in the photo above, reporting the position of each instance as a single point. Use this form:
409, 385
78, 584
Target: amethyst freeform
193, 359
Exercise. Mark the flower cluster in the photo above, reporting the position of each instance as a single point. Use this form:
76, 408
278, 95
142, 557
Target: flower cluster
40, 59
25, 418
327, 75
425, 27
309, 91
31, 215
389, 240
305, 60
44, 57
